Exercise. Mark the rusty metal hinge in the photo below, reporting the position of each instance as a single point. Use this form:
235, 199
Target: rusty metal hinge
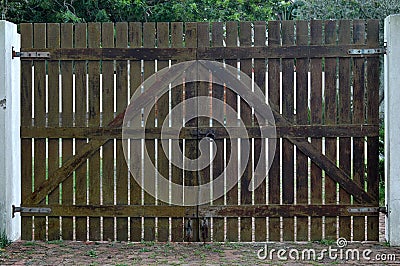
32, 55
374, 51
367, 209
29, 210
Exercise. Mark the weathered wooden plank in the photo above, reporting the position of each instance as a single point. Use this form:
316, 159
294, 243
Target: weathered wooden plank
80, 120
203, 89
373, 117
316, 118
258, 210
53, 35
121, 100
231, 153
302, 69
149, 38
94, 37
287, 210
119, 211
217, 39
344, 117
358, 117
39, 41
204, 53
67, 120
260, 193
330, 119
273, 97
163, 110
191, 146
135, 40
294, 131
287, 147
107, 160
26, 120
246, 116
177, 234
285, 52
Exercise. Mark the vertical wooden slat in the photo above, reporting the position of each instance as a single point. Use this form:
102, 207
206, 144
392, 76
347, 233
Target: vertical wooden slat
330, 119
107, 41
358, 118
203, 89
67, 121
217, 38
26, 120
259, 161
149, 32
287, 147
94, 37
176, 97
80, 120
135, 40
246, 115
373, 118
122, 99
163, 109
302, 67
191, 146
53, 34
316, 119
39, 41
232, 177
344, 118
274, 98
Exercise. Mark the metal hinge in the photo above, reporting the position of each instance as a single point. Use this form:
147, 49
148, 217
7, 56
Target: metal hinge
366, 209
33, 55
366, 51
29, 210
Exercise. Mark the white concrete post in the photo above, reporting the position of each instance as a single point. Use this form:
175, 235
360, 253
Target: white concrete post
392, 128
10, 144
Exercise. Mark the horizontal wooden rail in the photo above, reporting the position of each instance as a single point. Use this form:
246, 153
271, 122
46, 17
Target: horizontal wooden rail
259, 210
299, 131
204, 53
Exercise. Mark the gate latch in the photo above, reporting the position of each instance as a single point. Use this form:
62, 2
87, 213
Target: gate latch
204, 132
29, 210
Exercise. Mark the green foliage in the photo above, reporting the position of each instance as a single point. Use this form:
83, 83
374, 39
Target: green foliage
151, 10
346, 9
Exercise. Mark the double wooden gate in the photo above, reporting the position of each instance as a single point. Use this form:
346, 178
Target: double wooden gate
318, 77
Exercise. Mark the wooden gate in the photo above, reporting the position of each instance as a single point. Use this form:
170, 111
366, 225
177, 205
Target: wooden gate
321, 79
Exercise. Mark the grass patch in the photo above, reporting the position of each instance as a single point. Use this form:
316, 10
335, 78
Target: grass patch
30, 243
327, 242
92, 253
144, 249
4, 241
55, 242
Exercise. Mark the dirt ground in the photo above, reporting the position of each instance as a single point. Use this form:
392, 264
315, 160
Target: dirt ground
153, 253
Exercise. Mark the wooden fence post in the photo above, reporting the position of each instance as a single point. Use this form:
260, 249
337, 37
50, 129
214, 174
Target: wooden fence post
10, 144
392, 128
